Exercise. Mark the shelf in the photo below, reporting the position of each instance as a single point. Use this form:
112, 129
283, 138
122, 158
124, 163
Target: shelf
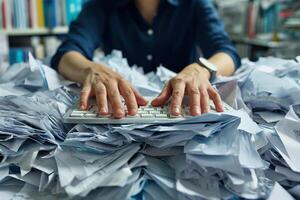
35, 31
256, 42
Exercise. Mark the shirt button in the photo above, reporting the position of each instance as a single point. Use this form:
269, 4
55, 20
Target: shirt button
149, 57
150, 32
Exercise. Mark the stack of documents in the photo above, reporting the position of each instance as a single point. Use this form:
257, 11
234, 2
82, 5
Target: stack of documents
283, 151
207, 156
25, 78
30, 132
213, 156
266, 88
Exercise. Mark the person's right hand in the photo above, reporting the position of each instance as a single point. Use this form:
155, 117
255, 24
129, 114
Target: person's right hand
108, 87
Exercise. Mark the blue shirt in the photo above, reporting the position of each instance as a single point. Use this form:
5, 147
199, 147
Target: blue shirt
179, 30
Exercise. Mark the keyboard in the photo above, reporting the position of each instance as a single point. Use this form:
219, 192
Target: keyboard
145, 115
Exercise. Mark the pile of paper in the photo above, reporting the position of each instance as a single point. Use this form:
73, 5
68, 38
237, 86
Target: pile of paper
213, 156
25, 78
30, 131
283, 151
266, 88
214, 146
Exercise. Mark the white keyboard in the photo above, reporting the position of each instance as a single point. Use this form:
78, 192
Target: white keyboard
146, 115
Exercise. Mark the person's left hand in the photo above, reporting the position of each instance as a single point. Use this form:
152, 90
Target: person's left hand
193, 81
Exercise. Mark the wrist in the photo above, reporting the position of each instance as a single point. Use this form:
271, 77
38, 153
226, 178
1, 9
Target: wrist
202, 70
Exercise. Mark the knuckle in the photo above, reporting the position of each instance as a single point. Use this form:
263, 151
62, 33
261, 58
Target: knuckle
192, 82
127, 93
204, 93
214, 93
113, 94
122, 81
177, 80
83, 92
194, 91
177, 93
194, 104
101, 92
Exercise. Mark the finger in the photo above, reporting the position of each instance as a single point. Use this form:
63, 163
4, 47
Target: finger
177, 96
215, 97
194, 100
141, 101
101, 97
129, 97
115, 100
204, 100
163, 97
84, 96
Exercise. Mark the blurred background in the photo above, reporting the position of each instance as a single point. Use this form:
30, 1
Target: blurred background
257, 27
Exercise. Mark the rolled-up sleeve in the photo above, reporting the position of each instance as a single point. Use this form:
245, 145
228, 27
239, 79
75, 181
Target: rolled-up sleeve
210, 32
85, 34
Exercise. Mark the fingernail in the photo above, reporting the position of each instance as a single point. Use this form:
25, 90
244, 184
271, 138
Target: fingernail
132, 111
82, 107
176, 110
103, 110
119, 113
197, 110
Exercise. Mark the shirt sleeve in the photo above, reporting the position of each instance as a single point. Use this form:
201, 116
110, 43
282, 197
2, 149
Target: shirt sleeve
210, 32
85, 34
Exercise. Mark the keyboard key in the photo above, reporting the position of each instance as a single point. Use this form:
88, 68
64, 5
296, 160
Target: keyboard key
90, 114
147, 115
161, 116
79, 111
155, 112
143, 112
158, 108
77, 114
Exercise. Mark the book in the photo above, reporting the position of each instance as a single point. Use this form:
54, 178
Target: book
252, 18
23, 14
50, 8
6, 14
32, 13
40, 13
1, 15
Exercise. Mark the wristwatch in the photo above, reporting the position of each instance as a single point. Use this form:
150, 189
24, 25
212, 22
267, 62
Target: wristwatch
209, 66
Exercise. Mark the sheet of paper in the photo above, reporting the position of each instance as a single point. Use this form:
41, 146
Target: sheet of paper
279, 192
289, 133
271, 117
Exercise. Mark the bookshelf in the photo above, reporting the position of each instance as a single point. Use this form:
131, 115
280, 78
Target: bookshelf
36, 26
256, 42
279, 20
35, 31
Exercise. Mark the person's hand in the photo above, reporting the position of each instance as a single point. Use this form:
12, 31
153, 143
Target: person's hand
108, 87
194, 82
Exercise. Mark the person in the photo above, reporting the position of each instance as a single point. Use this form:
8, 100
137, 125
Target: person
174, 33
